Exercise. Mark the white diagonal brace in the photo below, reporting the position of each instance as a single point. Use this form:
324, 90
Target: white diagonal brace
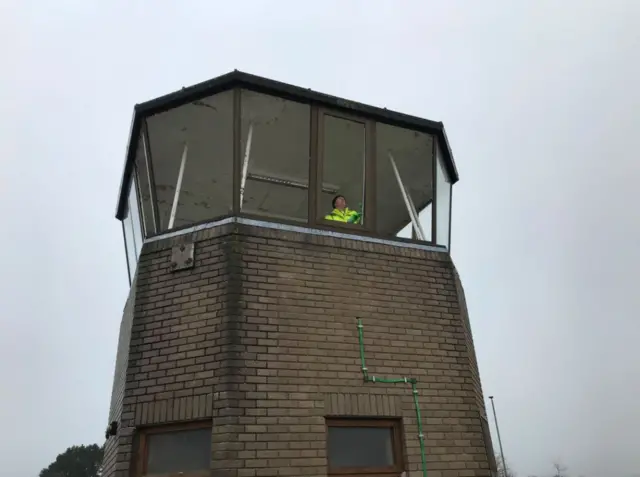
407, 201
174, 207
245, 163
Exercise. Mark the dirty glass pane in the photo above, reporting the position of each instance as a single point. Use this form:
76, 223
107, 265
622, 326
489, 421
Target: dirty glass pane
134, 212
343, 169
360, 447
179, 451
197, 137
426, 219
275, 140
142, 175
412, 153
443, 203
129, 242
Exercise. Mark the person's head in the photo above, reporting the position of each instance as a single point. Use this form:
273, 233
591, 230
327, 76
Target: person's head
339, 202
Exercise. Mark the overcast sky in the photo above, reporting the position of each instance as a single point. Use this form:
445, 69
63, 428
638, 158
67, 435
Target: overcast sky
541, 101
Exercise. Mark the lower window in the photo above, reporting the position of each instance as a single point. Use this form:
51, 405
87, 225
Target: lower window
183, 450
362, 447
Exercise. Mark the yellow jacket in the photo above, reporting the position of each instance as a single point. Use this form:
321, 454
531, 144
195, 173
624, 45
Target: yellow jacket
347, 215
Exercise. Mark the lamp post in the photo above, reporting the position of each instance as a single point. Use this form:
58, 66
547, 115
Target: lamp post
495, 417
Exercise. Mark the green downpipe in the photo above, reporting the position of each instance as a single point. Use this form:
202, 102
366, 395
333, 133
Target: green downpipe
361, 340
423, 454
414, 391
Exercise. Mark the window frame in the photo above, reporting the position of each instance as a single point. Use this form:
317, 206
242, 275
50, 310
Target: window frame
368, 179
142, 448
137, 234
395, 424
153, 199
432, 203
314, 220
238, 157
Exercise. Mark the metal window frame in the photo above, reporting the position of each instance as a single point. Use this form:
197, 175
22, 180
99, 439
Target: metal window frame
368, 178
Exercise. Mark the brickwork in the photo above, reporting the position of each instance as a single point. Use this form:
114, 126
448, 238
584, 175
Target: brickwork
261, 337
113, 457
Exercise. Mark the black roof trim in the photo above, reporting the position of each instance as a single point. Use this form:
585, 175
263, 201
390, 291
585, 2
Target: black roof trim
244, 80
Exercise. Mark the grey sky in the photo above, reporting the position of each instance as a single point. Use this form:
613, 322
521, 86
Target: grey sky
542, 106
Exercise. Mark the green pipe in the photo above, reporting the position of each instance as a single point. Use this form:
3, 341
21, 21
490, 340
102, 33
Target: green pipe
414, 391
373, 379
364, 367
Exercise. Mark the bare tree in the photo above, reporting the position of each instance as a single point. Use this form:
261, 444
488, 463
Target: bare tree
560, 470
502, 471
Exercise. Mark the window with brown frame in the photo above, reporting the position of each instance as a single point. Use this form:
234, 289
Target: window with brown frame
342, 169
183, 450
364, 447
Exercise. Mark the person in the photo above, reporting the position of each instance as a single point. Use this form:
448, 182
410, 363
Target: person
342, 213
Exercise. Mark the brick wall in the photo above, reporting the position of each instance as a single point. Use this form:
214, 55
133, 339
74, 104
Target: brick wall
260, 335
112, 458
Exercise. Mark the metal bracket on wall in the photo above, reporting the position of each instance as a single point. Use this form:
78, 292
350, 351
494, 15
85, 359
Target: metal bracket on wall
182, 257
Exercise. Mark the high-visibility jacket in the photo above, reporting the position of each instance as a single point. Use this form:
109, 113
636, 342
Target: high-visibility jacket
346, 215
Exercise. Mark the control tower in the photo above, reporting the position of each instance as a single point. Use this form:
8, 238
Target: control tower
293, 310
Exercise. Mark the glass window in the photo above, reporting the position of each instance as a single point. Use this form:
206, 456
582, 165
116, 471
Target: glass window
134, 211
176, 451
357, 446
191, 149
443, 202
404, 183
129, 243
275, 138
179, 451
342, 195
406, 232
426, 220
143, 177
132, 228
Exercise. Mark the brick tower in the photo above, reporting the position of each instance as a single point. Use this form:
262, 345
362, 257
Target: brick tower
259, 337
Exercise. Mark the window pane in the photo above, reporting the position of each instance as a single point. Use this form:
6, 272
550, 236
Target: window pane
426, 218
360, 447
405, 232
179, 451
443, 202
275, 157
142, 174
134, 211
412, 152
343, 151
129, 240
206, 191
